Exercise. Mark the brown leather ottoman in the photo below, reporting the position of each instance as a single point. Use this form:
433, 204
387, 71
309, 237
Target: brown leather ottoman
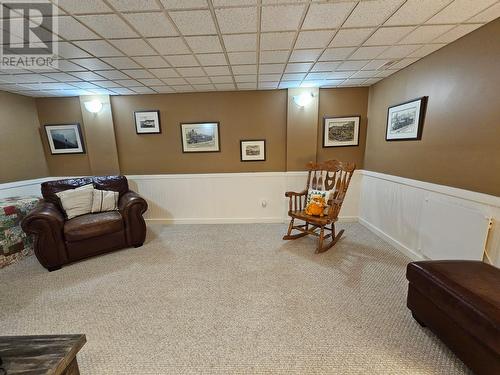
460, 302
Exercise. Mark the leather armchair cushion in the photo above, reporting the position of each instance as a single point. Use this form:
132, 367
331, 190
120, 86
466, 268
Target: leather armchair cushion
93, 225
465, 290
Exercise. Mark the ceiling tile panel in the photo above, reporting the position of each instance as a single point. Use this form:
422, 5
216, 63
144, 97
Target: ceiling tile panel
327, 16
273, 56
194, 22
204, 44
240, 42
217, 70
244, 69
305, 55
212, 59
151, 61
415, 12
332, 54
388, 35
71, 29
424, 34
460, 10
276, 41
372, 13
82, 7
169, 46
237, 20
184, 4
455, 33
108, 25
367, 52
133, 47
121, 62
236, 58
133, 5
151, 24
314, 39
351, 37
281, 18
487, 15
181, 60
98, 48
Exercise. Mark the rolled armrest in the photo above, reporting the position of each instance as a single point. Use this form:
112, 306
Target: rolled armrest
46, 223
132, 206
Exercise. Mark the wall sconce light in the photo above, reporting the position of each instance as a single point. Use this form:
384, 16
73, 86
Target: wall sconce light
303, 99
93, 106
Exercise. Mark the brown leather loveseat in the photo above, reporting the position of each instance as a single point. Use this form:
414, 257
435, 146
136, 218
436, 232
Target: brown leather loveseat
58, 241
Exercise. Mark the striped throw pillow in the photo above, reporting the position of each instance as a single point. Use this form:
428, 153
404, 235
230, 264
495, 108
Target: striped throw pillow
104, 200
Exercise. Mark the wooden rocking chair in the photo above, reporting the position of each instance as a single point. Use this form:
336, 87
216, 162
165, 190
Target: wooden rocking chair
331, 175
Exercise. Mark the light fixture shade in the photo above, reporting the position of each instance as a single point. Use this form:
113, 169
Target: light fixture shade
303, 99
93, 106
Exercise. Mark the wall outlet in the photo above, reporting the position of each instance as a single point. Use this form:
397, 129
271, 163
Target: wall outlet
263, 203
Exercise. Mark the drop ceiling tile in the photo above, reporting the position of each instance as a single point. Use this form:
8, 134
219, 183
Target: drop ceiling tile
67, 66
375, 64
415, 12
388, 35
332, 54
289, 84
86, 85
404, 63
398, 52
151, 82
182, 60
87, 6
350, 37
204, 87
365, 74
169, 46
367, 53
271, 68
246, 78
212, 59
191, 72
128, 82
425, 50
487, 15
30, 78
456, 33
372, 13
164, 72
236, 58
92, 63
182, 88
371, 81
55, 86
87, 76
314, 39
108, 25
424, 34
204, 44
317, 75
137, 73
332, 82
459, 11
112, 74
163, 89
98, 48
217, 70
101, 91
175, 81
143, 90
184, 4
151, 24
325, 66
224, 86
327, 16
273, 56
294, 76
222, 79
298, 67
269, 77
244, 69
151, 61
69, 51
105, 84
386, 73
194, 22
71, 29
237, 20
353, 82
240, 42
220, 3
268, 85
305, 55
133, 47
133, 5
281, 18
276, 41
352, 65
123, 91
121, 62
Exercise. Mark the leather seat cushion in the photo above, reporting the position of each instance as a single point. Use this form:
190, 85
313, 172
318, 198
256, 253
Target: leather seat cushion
93, 225
465, 290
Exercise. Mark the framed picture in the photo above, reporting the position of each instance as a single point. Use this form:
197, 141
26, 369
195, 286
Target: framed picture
341, 131
200, 137
147, 122
65, 139
405, 121
253, 150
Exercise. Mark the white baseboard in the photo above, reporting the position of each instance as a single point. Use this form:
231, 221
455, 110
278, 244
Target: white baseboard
398, 245
218, 220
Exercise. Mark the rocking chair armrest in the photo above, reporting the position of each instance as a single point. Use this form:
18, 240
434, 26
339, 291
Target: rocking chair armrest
290, 194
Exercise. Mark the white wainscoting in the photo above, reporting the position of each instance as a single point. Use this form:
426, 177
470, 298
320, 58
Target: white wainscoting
22, 188
393, 208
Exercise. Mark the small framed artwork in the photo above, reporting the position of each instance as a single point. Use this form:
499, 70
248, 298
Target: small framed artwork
341, 131
405, 121
200, 137
147, 122
253, 150
65, 139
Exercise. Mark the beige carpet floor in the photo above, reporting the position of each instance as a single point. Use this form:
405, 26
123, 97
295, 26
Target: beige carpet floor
230, 299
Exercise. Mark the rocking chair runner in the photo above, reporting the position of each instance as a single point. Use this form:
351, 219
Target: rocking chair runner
331, 175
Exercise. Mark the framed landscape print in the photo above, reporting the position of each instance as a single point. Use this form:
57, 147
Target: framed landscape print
147, 122
253, 150
405, 121
341, 131
65, 139
200, 137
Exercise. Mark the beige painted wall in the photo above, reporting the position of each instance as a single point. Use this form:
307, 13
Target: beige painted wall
242, 115
62, 111
343, 102
21, 153
460, 144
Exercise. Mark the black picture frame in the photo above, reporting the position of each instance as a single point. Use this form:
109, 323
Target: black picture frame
251, 140
183, 142
157, 112
423, 100
357, 131
50, 140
